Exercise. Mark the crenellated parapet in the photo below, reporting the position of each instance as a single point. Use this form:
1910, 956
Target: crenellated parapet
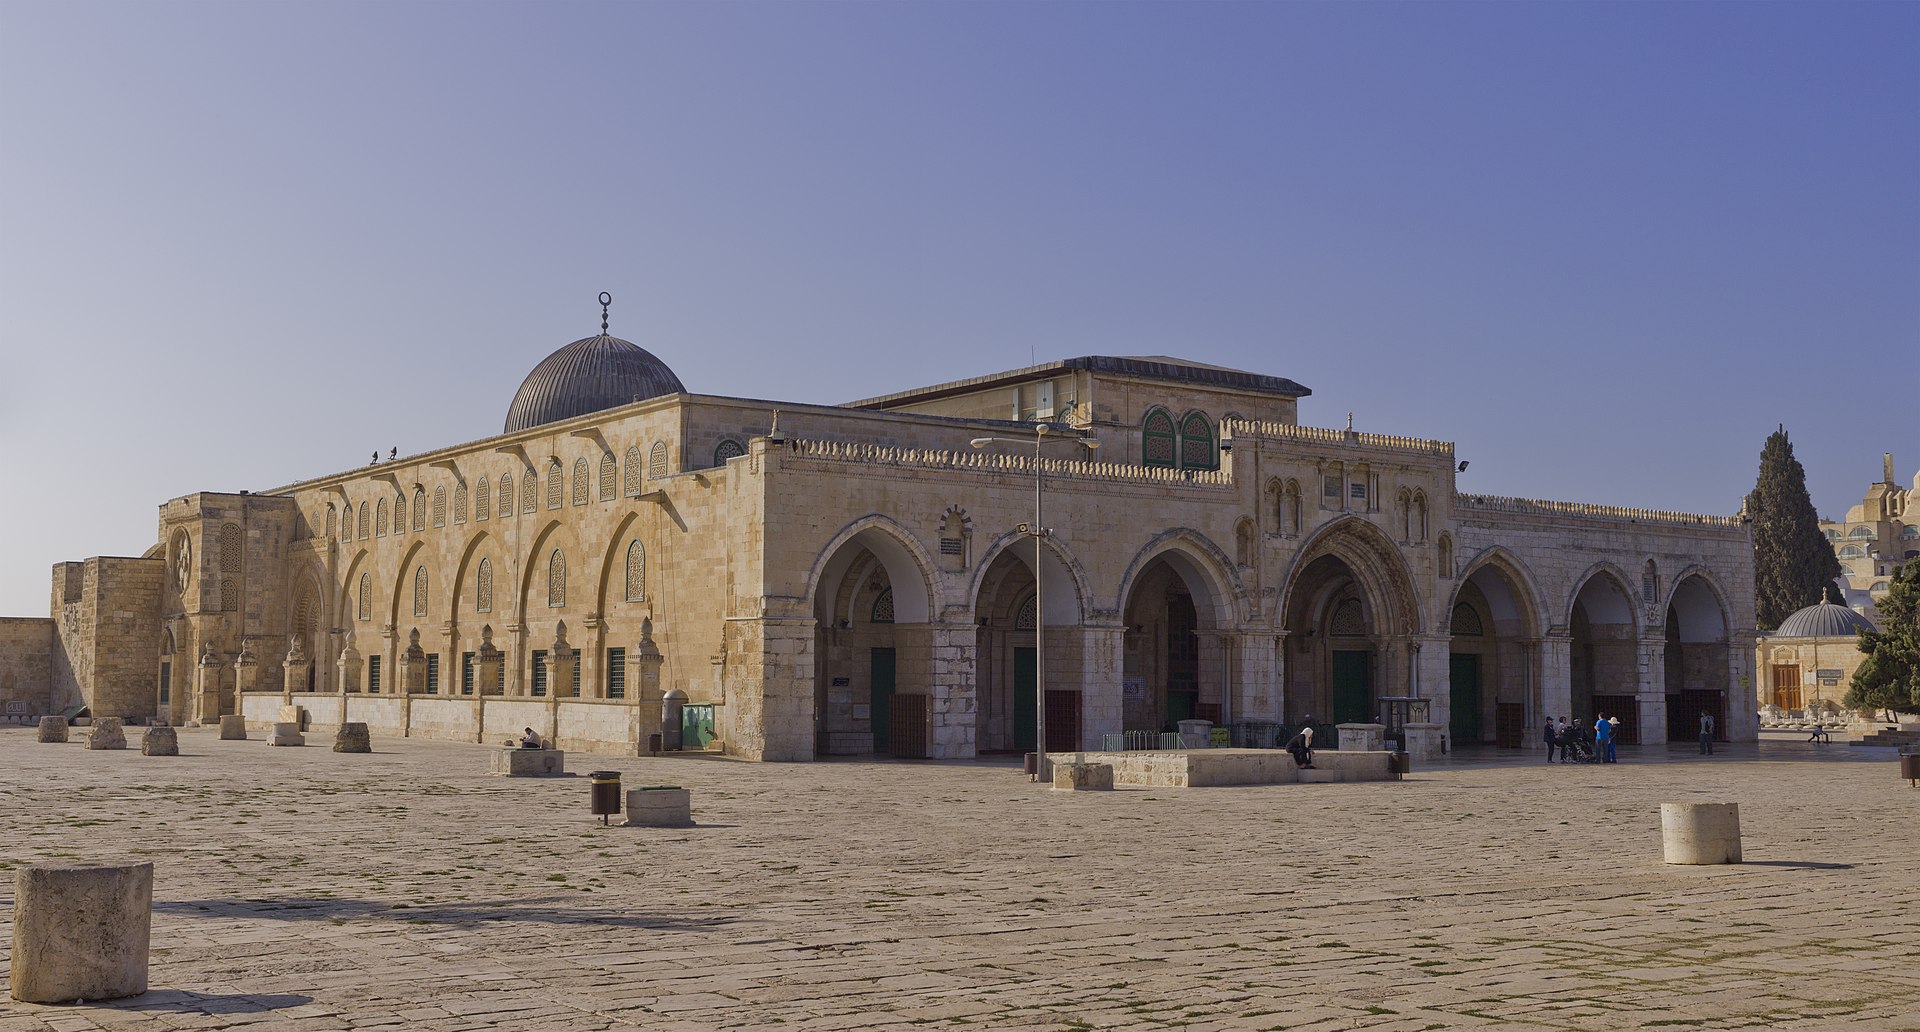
835, 452
1242, 430
1466, 504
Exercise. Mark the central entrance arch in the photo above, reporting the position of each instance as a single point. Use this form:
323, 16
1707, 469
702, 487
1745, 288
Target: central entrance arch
872, 650
1175, 605
1007, 661
1350, 612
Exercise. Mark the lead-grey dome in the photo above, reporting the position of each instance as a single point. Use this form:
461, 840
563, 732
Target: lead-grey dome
1823, 620
589, 375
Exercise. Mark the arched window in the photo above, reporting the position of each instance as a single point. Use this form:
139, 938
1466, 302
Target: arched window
420, 591
553, 484
581, 487
1853, 552
363, 521
1196, 443
632, 485
332, 517
230, 548
483, 587
399, 514
1446, 556
230, 594
1878, 588
609, 476
1420, 515
366, 596
883, 607
557, 579
1861, 532
1349, 620
1466, 621
380, 520
420, 510
459, 504
1910, 533
1293, 506
727, 449
1832, 534
482, 499
1650, 582
1157, 440
636, 572
1405, 504
529, 490
1243, 540
506, 495
1027, 616
657, 461
439, 507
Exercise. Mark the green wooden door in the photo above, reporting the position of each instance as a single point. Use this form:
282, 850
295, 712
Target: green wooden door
1463, 674
1024, 697
880, 696
1352, 687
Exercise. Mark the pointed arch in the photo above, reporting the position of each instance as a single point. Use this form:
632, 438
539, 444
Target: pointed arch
1617, 579
1205, 567
1375, 562
1158, 440
1197, 445
400, 589
1069, 592
1512, 593
1704, 615
472, 555
908, 565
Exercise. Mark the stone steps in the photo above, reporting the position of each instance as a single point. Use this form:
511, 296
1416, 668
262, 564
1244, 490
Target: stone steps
1904, 738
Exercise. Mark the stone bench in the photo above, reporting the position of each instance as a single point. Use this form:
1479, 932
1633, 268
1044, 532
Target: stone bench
528, 763
283, 734
660, 806
1082, 777
233, 728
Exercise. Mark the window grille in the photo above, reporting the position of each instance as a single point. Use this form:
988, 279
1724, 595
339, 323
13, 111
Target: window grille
1466, 621
1027, 617
506, 495
632, 485
380, 520
466, 673
529, 497
439, 507
483, 587
230, 595
636, 572
460, 504
727, 449
482, 499
540, 672
1349, 619
1157, 440
1196, 443
557, 579
553, 484
657, 461
420, 591
373, 673
433, 673
230, 548
883, 607
609, 476
580, 486
366, 596
332, 517
420, 510
616, 673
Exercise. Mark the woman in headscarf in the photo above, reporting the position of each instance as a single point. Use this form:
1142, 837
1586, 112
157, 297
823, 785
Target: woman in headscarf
1301, 746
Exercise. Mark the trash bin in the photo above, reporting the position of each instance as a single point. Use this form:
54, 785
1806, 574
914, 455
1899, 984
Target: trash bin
1910, 767
672, 707
606, 793
1399, 764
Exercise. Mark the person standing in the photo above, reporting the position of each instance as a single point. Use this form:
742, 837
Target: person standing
1613, 739
1706, 734
1551, 737
1603, 738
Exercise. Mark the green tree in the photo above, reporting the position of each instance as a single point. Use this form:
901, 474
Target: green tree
1889, 678
1792, 560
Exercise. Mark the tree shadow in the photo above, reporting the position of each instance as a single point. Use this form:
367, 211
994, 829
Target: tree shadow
544, 910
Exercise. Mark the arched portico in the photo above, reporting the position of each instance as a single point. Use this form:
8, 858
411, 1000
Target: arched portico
1695, 658
1352, 621
1493, 682
1176, 609
1008, 616
885, 676
1603, 661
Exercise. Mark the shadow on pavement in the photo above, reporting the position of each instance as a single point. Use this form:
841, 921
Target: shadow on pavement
180, 1001
462, 915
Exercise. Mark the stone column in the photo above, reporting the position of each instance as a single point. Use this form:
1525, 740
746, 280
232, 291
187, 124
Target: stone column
954, 707
246, 673
516, 660
1432, 674
775, 718
593, 651
1651, 691
349, 671
1556, 676
1743, 712
1102, 673
294, 670
1526, 652
206, 686
487, 662
561, 658
643, 686
390, 666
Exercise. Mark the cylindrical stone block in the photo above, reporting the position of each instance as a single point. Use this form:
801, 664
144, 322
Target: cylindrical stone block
160, 741
53, 729
81, 933
233, 728
352, 737
1700, 833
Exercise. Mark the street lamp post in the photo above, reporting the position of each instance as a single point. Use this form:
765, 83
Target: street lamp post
1038, 531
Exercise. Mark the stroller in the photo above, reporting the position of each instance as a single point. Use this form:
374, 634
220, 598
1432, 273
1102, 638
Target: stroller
1577, 748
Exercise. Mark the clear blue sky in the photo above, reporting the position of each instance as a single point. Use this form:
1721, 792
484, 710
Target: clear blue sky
1603, 247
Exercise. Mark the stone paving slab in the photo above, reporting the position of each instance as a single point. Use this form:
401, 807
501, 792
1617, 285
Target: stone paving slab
303, 889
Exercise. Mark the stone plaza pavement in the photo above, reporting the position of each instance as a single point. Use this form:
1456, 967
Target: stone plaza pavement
304, 889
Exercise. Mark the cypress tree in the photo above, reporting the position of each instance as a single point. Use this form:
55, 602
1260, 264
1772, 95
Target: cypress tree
1792, 560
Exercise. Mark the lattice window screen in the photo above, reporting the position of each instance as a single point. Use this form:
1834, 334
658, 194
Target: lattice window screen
636, 572
557, 579
609, 476
483, 587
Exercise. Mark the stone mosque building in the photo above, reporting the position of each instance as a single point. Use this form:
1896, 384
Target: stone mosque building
827, 580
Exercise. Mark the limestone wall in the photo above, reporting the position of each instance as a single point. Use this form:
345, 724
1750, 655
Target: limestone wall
106, 612
26, 666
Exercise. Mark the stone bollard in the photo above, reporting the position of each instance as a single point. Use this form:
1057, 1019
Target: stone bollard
287, 734
1700, 833
659, 806
233, 728
107, 733
160, 741
81, 933
53, 729
1082, 777
352, 737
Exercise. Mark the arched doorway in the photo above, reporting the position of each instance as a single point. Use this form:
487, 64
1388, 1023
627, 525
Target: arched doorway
1602, 660
1173, 662
872, 650
1696, 660
1493, 658
305, 628
1336, 637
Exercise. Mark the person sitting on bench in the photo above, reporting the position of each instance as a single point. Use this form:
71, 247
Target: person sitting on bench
530, 740
1301, 746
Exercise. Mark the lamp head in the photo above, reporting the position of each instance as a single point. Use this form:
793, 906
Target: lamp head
981, 442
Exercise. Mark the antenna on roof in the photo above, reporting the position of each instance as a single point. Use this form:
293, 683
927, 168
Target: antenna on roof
606, 301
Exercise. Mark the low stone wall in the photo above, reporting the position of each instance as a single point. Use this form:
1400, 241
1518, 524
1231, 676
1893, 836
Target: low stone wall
602, 726
1200, 768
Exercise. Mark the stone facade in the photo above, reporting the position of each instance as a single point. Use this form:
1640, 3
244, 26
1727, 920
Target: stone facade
857, 579
26, 667
1877, 535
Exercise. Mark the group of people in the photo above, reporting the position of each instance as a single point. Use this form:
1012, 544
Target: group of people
1578, 743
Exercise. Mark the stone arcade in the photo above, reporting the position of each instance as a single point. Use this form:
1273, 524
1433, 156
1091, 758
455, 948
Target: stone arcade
848, 579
